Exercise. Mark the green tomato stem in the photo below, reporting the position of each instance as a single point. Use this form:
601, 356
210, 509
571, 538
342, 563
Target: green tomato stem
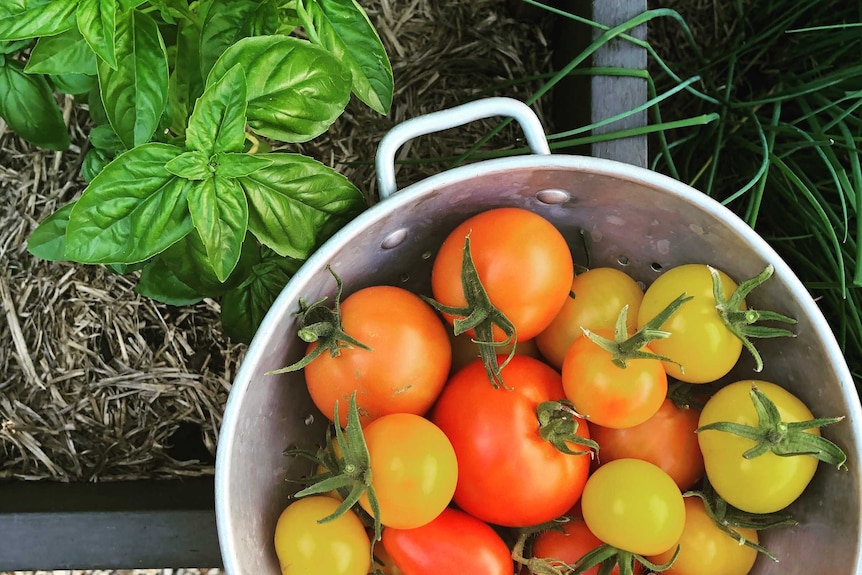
559, 426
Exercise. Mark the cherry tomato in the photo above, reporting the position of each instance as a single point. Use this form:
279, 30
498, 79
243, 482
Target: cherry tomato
607, 394
464, 350
413, 467
763, 484
523, 262
667, 439
635, 506
406, 367
707, 550
306, 547
700, 341
569, 543
454, 542
507, 474
595, 300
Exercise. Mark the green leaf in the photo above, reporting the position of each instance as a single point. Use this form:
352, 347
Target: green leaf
192, 165
95, 161
220, 214
230, 165
48, 240
187, 260
74, 84
14, 47
62, 54
21, 19
295, 90
218, 121
135, 94
27, 104
244, 307
97, 108
296, 203
133, 210
158, 282
343, 28
229, 21
105, 138
97, 21
186, 83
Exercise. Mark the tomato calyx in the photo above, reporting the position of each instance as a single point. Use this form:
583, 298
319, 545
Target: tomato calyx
727, 517
741, 322
623, 348
480, 315
558, 425
321, 324
781, 438
689, 396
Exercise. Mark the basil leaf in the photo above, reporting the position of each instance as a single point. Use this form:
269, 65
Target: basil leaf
296, 203
28, 106
14, 47
217, 123
158, 282
105, 138
133, 210
62, 54
228, 21
97, 23
343, 28
192, 165
186, 83
21, 19
135, 94
245, 306
220, 214
74, 84
295, 90
95, 161
187, 260
231, 165
48, 240
97, 108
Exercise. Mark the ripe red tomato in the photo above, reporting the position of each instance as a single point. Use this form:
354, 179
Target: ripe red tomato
667, 439
406, 367
507, 474
572, 541
454, 542
595, 300
607, 394
523, 262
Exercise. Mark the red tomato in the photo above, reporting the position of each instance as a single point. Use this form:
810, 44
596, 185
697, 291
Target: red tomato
667, 439
507, 474
609, 395
569, 544
454, 542
523, 262
406, 368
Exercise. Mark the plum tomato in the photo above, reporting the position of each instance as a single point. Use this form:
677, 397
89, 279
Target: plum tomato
404, 371
522, 261
595, 300
454, 542
507, 473
305, 547
667, 439
635, 506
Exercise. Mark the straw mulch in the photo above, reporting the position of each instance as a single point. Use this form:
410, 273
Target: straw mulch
95, 380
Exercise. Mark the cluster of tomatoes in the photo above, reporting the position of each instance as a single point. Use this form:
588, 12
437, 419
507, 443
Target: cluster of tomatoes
521, 421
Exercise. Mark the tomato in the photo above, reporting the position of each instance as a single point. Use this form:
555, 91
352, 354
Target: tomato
522, 260
306, 547
635, 506
607, 394
464, 350
569, 543
707, 550
413, 468
700, 341
595, 300
406, 368
454, 542
763, 484
507, 474
383, 561
667, 439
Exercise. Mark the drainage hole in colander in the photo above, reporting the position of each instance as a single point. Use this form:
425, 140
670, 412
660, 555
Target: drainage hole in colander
656, 267
426, 255
553, 196
405, 277
309, 419
394, 239
623, 260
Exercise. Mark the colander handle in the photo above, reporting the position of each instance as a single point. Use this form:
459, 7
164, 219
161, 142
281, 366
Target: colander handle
452, 118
